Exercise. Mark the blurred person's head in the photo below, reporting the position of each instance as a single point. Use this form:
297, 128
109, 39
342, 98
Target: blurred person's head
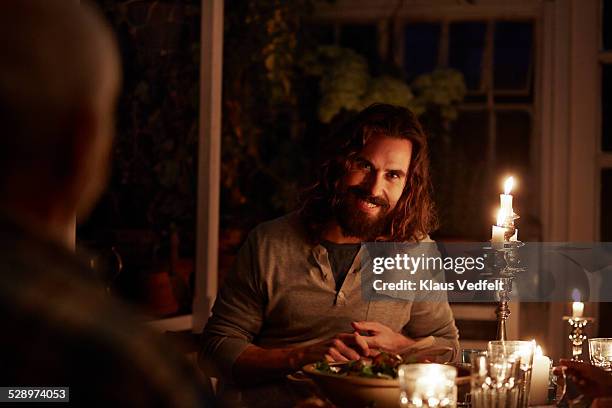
59, 80
374, 179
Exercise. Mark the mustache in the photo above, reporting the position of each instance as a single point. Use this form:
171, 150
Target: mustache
361, 193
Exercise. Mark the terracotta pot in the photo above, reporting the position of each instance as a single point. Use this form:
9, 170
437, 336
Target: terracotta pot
160, 296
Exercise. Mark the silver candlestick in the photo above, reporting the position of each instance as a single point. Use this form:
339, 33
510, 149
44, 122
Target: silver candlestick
505, 263
577, 334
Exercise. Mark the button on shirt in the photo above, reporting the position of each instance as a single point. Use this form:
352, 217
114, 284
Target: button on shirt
341, 257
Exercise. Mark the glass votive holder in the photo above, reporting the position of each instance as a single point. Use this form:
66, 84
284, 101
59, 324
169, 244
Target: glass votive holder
493, 382
427, 385
466, 355
600, 352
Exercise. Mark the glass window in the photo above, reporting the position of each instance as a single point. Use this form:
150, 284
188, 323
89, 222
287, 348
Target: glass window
319, 33
606, 24
606, 205
458, 165
512, 152
466, 47
606, 108
512, 142
421, 42
363, 38
513, 53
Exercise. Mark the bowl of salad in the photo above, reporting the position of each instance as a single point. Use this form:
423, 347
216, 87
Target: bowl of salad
366, 382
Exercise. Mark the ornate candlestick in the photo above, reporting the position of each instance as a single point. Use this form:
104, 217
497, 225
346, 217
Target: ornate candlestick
505, 263
577, 334
504, 259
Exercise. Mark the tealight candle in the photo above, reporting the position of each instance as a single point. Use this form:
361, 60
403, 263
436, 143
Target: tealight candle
427, 385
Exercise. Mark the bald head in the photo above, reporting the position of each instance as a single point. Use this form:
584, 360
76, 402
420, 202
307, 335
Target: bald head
59, 77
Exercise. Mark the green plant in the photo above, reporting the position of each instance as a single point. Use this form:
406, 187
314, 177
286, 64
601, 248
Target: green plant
154, 174
262, 129
346, 84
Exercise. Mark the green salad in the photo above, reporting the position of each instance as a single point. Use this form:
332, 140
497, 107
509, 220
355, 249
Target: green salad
384, 366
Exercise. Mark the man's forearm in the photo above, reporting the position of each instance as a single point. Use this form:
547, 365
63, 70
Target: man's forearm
256, 364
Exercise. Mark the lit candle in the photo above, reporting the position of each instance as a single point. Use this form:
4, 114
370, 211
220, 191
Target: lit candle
540, 375
498, 231
506, 198
426, 385
577, 309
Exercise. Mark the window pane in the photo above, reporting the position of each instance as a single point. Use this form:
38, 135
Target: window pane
606, 24
421, 42
363, 38
512, 155
466, 46
458, 166
512, 141
606, 204
513, 50
319, 33
606, 108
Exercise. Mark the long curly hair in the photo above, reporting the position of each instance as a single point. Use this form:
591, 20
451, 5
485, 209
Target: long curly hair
414, 217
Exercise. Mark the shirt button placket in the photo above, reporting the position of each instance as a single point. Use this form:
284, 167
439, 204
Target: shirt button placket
340, 299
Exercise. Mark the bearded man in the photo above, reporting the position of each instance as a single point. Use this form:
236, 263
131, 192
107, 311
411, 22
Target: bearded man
294, 296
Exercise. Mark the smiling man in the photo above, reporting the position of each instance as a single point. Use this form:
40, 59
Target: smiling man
294, 296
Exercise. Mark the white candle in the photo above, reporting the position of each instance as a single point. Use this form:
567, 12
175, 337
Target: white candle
497, 234
540, 374
498, 231
577, 309
505, 199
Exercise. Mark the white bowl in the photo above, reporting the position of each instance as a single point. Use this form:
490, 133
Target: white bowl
354, 391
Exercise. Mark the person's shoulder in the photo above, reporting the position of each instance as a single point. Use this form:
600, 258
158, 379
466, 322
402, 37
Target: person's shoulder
282, 229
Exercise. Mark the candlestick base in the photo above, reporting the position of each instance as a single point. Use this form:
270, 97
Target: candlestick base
577, 334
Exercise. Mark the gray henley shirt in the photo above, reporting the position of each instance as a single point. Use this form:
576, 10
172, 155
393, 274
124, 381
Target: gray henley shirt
282, 293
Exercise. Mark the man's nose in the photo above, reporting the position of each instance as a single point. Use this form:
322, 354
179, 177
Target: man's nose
375, 184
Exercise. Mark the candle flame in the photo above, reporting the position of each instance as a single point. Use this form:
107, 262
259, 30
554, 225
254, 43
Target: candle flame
508, 184
538, 351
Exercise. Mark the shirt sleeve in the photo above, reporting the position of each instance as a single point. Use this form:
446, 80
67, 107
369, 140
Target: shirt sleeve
431, 314
431, 318
237, 315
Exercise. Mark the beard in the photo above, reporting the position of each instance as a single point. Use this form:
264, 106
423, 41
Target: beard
354, 222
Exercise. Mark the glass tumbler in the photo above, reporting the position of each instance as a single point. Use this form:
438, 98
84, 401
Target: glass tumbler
600, 351
503, 377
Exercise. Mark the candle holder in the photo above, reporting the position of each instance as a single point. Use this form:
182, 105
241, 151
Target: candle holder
577, 334
505, 263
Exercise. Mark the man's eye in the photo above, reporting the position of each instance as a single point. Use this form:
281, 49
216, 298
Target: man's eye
393, 175
364, 165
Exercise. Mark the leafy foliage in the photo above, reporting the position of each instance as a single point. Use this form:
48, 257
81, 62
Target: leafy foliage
346, 84
155, 153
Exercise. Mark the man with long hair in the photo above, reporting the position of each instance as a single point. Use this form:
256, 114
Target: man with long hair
294, 296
